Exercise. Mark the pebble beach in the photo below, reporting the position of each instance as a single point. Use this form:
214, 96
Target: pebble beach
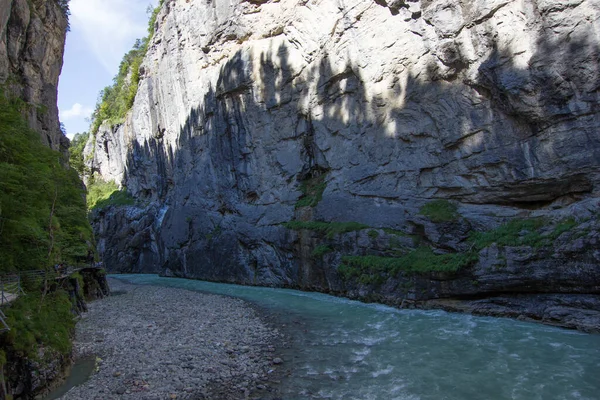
165, 343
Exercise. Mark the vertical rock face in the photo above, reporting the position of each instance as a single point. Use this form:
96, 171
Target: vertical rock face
32, 39
492, 105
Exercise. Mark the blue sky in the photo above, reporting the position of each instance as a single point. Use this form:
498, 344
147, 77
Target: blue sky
102, 31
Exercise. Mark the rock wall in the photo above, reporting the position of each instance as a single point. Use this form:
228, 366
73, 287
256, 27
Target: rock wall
32, 39
253, 114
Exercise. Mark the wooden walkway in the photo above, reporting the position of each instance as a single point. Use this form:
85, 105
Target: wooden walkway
11, 286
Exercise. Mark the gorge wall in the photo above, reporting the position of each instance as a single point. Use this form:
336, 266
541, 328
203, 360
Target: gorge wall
32, 39
338, 145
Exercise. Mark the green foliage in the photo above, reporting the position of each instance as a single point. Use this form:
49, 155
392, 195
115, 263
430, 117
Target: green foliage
518, 232
103, 194
43, 219
32, 283
99, 190
312, 191
114, 101
152, 20
118, 198
77, 276
394, 232
522, 232
564, 226
440, 211
376, 269
373, 234
330, 229
37, 321
64, 7
321, 250
76, 159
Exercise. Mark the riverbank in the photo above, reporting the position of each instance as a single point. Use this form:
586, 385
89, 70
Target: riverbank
160, 343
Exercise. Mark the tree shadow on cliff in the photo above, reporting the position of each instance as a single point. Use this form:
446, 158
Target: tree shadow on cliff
245, 149
328, 106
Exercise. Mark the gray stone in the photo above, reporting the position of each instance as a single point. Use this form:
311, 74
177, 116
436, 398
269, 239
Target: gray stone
492, 105
32, 39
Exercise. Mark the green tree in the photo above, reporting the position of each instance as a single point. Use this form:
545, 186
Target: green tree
76, 157
43, 216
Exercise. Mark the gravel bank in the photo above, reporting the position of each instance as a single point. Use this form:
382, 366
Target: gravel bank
165, 343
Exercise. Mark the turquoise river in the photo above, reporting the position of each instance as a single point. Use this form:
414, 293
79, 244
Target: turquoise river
343, 349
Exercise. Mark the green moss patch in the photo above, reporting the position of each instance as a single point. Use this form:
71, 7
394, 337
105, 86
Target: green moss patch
440, 211
330, 229
373, 269
321, 250
312, 191
522, 232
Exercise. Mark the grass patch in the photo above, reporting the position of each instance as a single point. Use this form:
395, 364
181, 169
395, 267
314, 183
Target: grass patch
564, 226
118, 198
440, 211
390, 231
35, 322
522, 232
330, 229
103, 194
321, 250
376, 269
312, 191
373, 234
518, 232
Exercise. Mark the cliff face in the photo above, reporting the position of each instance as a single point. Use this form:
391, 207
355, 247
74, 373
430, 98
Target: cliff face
32, 39
253, 114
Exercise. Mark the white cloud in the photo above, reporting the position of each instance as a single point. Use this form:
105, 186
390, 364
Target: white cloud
109, 27
76, 111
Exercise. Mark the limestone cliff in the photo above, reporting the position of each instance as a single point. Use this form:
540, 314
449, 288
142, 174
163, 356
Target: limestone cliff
32, 39
252, 114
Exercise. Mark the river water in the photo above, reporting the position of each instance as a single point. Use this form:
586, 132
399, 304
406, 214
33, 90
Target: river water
343, 349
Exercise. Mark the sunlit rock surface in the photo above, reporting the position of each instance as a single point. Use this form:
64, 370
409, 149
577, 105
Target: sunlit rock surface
492, 105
